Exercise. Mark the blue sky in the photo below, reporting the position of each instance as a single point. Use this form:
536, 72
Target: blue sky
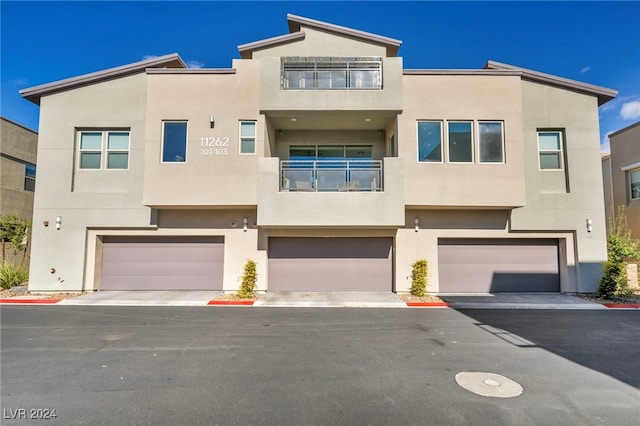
592, 42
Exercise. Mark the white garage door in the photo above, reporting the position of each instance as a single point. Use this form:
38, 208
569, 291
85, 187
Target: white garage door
498, 266
330, 264
162, 263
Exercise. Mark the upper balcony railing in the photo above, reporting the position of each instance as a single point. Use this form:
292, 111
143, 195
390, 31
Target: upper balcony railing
329, 73
331, 175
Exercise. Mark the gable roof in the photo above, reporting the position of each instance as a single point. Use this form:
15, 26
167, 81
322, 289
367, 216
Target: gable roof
296, 32
34, 94
604, 95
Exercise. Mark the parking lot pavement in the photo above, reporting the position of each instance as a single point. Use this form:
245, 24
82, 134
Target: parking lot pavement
161, 365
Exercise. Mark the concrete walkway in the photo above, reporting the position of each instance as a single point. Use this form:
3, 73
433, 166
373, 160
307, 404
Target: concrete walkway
338, 299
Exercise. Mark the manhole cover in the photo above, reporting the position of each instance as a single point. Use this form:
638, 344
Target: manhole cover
489, 384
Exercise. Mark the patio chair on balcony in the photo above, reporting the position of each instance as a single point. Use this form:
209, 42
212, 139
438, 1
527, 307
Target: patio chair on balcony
303, 185
353, 185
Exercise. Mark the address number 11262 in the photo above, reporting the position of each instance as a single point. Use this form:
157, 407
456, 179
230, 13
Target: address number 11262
213, 141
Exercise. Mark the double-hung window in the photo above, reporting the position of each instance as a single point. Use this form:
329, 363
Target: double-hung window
550, 150
247, 137
103, 149
490, 142
634, 184
174, 142
430, 141
460, 142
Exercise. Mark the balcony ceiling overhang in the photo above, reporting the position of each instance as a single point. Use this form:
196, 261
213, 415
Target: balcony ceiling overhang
331, 120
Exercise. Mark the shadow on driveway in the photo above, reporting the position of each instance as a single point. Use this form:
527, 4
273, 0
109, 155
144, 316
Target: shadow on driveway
602, 340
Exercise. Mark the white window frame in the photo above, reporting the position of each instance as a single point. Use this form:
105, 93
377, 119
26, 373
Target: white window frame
631, 195
186, 142
104, 149
247, 138
473, 154
559, 151
479, 123
442, 141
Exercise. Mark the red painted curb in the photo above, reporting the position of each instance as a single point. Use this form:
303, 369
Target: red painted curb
231, 302
36, 301
622, 305
426, 304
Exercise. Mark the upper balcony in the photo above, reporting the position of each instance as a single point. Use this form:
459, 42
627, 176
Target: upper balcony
330, 84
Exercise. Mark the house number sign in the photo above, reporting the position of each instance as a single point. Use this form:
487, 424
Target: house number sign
211, 145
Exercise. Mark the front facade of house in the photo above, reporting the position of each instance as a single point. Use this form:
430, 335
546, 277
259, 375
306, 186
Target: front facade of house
621, 171
319, 157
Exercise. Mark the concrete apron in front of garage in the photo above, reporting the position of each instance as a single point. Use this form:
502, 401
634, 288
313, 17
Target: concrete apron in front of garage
518, 301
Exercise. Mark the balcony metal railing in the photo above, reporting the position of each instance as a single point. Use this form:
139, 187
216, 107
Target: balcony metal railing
331, 175
309, 73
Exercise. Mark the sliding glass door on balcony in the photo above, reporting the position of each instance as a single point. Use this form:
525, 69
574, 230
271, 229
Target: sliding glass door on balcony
331, 168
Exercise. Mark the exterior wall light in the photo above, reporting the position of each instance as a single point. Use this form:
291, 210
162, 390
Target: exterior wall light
245, 224
416, 223
589, 225
212, 121
58, 222
234, 224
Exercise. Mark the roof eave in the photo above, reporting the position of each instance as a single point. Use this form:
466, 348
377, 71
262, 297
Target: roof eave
34, 94
246, 50
296, 22
603, 94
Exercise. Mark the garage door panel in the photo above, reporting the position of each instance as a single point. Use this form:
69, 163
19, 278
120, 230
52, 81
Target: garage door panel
486, 266
162, 263
330, 264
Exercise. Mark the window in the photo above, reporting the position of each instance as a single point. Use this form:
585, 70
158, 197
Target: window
460, 142
328, 73
29, 177
174, 142
247, 137
634, 184
550, 150
490, 142
96, 145
430, 141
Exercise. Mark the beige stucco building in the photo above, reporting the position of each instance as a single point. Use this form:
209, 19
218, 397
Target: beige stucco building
321, 158
621, 171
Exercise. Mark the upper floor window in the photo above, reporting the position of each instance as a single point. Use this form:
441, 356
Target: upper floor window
430, 141
634, 184
174, 142
490, 142
550, 150
328, 73
104, 149
29, 177
247, 137
460, 142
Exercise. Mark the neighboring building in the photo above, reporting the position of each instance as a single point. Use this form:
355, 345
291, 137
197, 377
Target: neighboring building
18, 149
318, 156
621, 171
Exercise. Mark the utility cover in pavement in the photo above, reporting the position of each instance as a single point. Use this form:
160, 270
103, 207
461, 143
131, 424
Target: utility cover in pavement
489, 384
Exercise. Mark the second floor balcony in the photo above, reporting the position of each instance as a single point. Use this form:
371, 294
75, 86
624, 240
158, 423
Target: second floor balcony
331, 175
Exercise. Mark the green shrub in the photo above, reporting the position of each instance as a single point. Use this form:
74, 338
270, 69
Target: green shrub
621, 249
12, 275
249, 278
419, 278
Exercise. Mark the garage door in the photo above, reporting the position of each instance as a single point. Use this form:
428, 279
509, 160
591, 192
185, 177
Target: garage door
162, 263
498, 266
330, 264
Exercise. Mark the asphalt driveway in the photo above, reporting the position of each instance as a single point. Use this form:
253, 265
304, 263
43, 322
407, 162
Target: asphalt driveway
311, 366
